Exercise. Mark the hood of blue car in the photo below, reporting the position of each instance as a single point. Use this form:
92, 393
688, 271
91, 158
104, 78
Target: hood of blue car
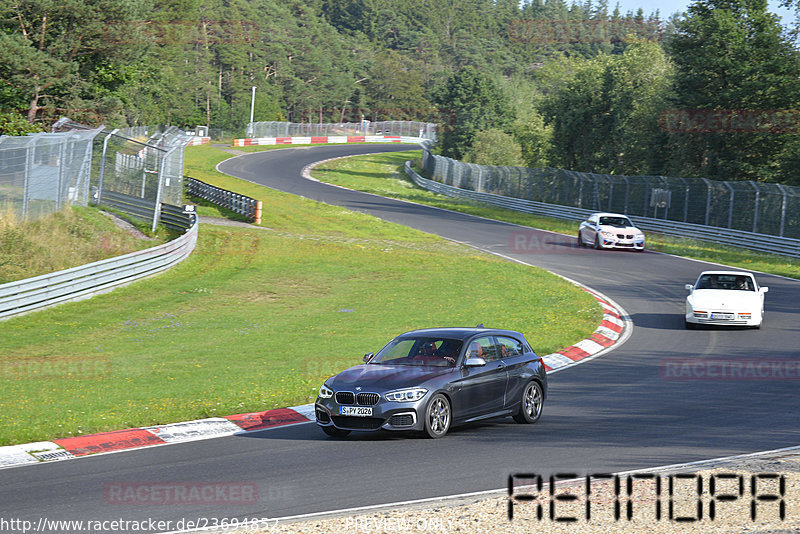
380, 378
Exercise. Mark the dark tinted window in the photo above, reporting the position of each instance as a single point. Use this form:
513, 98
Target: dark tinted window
509, 347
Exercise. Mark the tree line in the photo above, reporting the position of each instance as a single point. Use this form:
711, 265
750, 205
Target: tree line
708, 93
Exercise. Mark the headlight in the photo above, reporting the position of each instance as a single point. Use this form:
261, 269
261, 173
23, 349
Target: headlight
607, 234
639, 237
325, 392
406, 395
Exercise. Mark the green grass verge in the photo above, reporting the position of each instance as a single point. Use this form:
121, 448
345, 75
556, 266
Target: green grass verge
257, 318
383, 174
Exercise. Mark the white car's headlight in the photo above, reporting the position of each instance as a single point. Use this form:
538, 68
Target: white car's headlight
639, 237
607, 234
325, 392
406, 395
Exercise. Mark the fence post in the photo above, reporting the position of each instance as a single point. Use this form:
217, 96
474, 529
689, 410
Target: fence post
103, 165
685, 200
627, 193
783, 207
161, 170
708, 200
756, 207
62, 149
730, 206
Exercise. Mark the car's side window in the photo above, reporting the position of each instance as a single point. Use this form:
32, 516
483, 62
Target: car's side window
509, 347
482, 347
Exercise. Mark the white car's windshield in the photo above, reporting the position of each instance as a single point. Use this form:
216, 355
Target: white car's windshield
421, 350
725, 281
617, 222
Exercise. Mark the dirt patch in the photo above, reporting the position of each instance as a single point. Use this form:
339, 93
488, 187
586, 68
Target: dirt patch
127, 226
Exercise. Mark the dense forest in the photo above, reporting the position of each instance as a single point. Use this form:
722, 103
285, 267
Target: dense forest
712, 92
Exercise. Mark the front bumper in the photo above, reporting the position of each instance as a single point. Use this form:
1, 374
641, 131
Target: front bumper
385, 415
630, 244
726, 318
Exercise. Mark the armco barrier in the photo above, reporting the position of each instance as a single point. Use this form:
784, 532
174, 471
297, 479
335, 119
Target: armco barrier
759, 242
28, 295
249, 207
170, 216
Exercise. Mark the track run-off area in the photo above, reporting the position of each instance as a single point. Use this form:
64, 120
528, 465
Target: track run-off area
629, 409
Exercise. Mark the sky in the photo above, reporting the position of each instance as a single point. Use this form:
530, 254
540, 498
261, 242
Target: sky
668, 7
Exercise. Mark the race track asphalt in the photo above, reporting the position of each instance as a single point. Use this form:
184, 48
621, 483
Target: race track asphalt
619, 412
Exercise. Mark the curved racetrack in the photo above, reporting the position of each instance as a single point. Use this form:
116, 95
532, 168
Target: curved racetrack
615, 413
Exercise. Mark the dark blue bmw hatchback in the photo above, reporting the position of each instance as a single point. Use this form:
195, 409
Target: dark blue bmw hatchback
428, 380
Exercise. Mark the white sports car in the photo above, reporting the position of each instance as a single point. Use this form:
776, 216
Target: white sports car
610, 230
725, 298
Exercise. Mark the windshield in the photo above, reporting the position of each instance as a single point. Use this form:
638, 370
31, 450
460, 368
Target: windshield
423, 350
726, 281
617, 222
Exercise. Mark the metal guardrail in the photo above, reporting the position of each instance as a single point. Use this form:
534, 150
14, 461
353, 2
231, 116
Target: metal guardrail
170, 216
736, 238
23, 296
243, 205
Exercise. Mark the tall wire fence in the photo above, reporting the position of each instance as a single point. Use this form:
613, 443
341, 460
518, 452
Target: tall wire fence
45, 172
765, 208
42, 173
424, 130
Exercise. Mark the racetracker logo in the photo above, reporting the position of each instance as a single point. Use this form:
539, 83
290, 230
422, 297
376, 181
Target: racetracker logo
181, 493
536, 242
731, 121
686, 369
583, 31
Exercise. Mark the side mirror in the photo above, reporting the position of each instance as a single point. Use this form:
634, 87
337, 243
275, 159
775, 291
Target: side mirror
689, 287
368, 356
474, 361
764, 289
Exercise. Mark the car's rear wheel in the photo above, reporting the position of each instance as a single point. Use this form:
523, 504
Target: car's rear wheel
531, 404
334, 432
581, 244
438, 416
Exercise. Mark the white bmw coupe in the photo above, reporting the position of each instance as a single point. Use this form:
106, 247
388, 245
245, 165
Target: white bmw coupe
731, 298
610, 230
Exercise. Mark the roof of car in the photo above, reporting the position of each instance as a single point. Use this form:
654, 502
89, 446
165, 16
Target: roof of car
458, 332
608, 214
738, 273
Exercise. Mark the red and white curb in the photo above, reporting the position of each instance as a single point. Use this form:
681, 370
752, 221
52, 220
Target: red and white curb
325, 139
614, 329
134, 438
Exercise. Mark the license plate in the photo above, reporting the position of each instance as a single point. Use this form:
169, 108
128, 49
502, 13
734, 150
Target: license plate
357, 411
726, 316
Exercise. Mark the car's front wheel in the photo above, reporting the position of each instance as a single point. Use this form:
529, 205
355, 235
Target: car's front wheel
689, 326
438, 416
581, 244
334, 432
597, 242
531, 404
